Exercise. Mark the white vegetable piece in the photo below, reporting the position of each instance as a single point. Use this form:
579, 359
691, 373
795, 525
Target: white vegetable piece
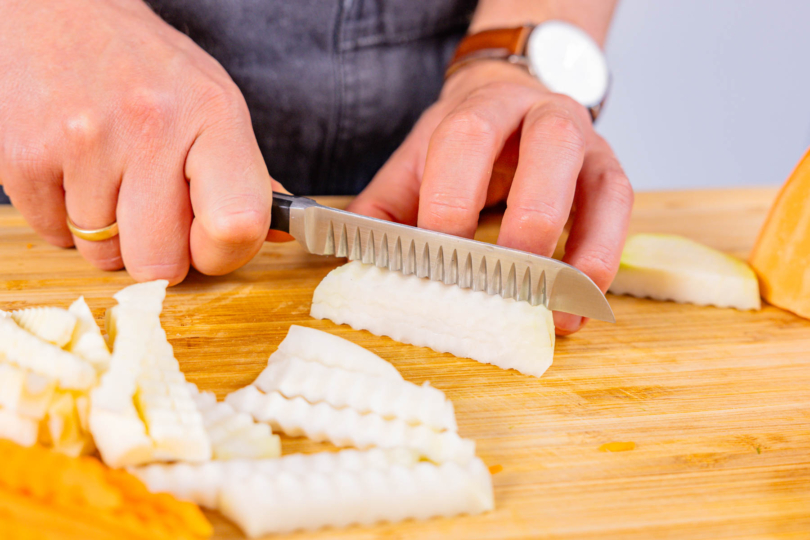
17, 428
37, 393
487, 328
362, 392
117, 429
147, 297
143, 370
131, 334
121, 438
63, 426
24, 392
332, 351
4, 314
28, 351
233, 434
83, 410
51, 324
201, 483
287, 502
163, 398
87, 341
12, 380
670, 267
345, 427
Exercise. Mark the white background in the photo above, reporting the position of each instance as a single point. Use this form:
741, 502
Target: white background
709, 92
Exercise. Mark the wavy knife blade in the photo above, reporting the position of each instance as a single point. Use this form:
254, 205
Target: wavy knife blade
440, 257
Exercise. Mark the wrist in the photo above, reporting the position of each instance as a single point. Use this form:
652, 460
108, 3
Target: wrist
476, 74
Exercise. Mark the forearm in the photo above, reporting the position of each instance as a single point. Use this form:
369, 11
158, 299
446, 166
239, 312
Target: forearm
593, 16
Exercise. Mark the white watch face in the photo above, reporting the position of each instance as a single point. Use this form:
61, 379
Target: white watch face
568, 61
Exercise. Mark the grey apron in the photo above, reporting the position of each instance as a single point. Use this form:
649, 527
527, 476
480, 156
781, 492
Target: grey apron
333, 86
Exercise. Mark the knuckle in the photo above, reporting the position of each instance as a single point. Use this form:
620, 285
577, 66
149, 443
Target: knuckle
449, 212
447, 209
571, 107
149, 111
600, 263
83, 131
540, 218
558, 127
618, 187
238, 223
222, 99
469, 124
610, 178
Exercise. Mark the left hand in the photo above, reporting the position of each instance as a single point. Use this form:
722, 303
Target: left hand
496, 133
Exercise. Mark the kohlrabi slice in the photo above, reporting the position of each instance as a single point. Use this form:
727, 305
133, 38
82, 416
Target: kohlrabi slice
670, 267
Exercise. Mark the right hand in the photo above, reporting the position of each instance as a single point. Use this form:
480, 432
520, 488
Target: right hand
108, 113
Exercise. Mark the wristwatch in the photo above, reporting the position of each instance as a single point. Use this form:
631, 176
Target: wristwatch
560, 55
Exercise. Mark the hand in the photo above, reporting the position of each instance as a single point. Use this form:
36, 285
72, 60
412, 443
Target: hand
497, 134
108, 114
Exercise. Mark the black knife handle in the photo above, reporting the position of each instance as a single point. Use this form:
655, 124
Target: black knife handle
280, 213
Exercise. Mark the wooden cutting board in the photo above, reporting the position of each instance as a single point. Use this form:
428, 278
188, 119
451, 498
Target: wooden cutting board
715, 401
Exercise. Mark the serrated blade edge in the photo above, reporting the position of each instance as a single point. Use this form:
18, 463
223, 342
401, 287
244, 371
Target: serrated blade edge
452, 260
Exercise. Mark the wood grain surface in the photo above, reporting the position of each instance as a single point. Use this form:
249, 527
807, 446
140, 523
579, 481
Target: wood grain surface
715, 402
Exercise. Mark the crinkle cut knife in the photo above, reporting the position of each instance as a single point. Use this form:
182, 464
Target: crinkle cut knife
440, 257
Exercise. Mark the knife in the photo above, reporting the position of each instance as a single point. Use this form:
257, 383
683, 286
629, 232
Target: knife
440, 257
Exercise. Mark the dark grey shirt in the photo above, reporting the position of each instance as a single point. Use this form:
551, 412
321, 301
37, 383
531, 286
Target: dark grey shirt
333, 86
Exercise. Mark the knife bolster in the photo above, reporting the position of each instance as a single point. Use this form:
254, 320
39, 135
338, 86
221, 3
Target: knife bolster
280, 213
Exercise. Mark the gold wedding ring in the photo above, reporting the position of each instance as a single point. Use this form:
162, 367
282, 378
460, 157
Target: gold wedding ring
93, 235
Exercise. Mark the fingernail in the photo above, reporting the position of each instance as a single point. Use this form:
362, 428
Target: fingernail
566, 322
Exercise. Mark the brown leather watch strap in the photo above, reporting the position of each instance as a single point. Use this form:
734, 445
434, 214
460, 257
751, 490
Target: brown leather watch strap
499, 43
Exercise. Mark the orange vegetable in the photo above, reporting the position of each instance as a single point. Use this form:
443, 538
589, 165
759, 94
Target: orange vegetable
47, 495
781, 256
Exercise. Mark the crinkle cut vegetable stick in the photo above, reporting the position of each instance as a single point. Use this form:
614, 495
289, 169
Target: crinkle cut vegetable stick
29, 352
143, 371
233, 434
389, 398
117, 428
202, 482
51, 324
87, 341
165, 403
346, 427
287, 502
